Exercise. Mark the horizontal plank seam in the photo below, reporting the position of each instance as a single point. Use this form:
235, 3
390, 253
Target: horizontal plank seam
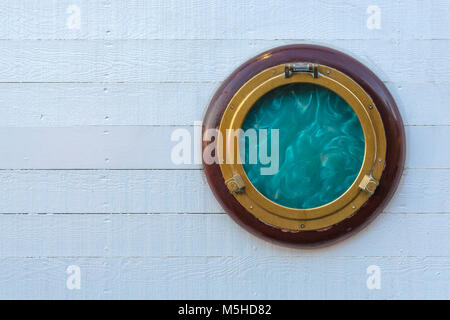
166, 126
155, 169
303, 256
182, 213
112, 39
176, 82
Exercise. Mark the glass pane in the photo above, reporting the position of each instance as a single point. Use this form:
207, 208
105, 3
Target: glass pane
320, 145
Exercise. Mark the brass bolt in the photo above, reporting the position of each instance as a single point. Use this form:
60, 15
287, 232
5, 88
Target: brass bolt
235, 184
368, 184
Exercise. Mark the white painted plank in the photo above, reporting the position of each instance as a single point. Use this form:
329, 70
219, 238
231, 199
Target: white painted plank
423, 145
80, 104
93, 147
134, 71
422, 103
226, 278
205, 235
35, 19
215, 19
199, 60
105, 191
169, 191
150, 147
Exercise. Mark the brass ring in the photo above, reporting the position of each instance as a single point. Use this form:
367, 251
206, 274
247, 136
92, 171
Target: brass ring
328, 214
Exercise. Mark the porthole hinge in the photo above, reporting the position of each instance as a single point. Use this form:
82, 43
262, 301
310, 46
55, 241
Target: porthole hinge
368, 184
301, 67
235, 184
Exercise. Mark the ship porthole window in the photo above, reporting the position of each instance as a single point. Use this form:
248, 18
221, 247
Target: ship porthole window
309, 147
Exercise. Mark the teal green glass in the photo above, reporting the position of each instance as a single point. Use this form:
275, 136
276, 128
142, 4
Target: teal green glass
321, 145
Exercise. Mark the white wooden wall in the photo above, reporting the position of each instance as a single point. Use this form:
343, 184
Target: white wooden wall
86, 177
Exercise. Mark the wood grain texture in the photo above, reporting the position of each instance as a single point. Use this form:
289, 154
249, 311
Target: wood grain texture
94, 98
84, 104
177, 103
204, 60
215, 19
170, 191
150, 147
151, 235
226, 278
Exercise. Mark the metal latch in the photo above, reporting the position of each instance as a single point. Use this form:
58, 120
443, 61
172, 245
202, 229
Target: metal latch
368, 184
301, 67
235, 184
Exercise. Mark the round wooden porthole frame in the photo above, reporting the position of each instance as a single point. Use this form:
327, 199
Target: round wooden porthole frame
275, 67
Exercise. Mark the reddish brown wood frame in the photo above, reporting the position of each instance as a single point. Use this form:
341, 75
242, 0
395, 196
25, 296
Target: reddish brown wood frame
395, 136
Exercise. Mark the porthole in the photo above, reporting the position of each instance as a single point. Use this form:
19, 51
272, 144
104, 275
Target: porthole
309, 145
